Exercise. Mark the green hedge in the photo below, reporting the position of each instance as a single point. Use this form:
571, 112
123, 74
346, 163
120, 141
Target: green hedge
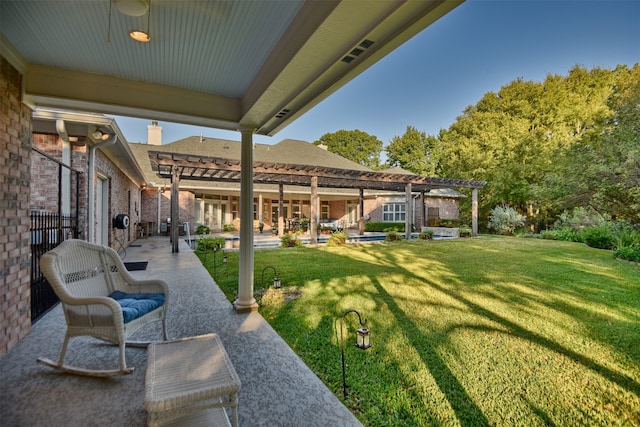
384, 226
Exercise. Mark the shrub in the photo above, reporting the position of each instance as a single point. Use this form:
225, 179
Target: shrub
504, 219
393, 236
624, 234
565, 234
600, 237
338, 238
426, 235
210, 243
228, 227
384, 226
579, 219
629, 253
465, 232
290, 241
203, 229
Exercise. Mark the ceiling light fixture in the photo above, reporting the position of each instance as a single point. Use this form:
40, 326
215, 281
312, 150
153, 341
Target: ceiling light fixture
99, 135
139, 35
132, 7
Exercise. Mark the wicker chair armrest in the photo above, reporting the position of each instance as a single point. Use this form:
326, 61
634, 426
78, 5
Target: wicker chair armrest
109, 302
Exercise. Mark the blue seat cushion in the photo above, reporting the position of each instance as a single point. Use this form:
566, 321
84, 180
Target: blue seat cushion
137, 305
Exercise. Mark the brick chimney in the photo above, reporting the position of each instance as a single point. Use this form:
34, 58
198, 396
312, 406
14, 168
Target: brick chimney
154, 133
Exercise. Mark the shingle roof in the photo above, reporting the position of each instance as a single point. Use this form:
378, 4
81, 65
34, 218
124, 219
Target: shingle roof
214, 163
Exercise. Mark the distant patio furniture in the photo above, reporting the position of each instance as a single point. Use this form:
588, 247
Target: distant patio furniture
101, 299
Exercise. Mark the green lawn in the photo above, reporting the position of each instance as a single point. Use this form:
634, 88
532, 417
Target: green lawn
485, 331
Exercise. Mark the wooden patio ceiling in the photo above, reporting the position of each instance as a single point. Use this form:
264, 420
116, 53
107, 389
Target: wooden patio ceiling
205, 168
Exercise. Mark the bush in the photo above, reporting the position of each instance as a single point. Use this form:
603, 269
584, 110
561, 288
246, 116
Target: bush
579, 219
384, 226
465, 232
565, 234
393, 236
210, 243
629, 253
338, 238
228, 227
290, 241
504, 219
203, 229
600, 237
426, 235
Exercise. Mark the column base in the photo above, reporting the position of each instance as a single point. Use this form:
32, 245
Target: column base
245, 308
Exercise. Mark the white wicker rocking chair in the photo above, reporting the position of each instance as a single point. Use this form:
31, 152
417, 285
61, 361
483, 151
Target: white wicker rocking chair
84, 275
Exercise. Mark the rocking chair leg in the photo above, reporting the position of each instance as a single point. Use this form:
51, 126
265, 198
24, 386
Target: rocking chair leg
63, 351
123, 362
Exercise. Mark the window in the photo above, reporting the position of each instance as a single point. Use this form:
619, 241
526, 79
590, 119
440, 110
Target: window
393, 212
324, 210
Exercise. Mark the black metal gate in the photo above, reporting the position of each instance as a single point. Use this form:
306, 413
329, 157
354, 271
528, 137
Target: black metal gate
48, 230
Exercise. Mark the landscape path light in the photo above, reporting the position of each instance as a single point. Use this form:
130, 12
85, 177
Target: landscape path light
276, 279
363, 342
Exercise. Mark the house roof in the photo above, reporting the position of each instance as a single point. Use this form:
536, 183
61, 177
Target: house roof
223, 64
215, 163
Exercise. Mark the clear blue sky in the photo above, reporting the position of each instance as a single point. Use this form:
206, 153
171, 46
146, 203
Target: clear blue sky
477, 48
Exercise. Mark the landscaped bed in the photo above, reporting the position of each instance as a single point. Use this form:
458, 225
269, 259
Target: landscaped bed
485, 331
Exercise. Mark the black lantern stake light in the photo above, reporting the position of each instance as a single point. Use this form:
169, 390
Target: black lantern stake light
225, 260
276, 279
362, 342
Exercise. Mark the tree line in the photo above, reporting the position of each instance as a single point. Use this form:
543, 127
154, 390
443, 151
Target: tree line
543, 147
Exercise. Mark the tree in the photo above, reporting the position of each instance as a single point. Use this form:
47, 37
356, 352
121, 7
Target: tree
550, 146
603, 171
413, 151
355, 145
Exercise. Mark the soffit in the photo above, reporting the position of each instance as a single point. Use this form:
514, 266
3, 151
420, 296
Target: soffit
223, 64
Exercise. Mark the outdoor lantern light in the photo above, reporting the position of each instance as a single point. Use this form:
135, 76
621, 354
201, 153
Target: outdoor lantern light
362, 339
225, 260
276, 279
362, 342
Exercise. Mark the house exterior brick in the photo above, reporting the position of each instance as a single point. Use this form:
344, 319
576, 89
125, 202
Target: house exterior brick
15, 153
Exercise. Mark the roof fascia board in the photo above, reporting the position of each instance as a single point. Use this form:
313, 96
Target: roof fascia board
60, 88
416, 16
309, 18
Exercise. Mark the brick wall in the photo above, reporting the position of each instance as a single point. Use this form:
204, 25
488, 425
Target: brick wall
15, 263
124, 198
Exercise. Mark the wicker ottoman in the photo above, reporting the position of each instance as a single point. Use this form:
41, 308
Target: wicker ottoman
189, 382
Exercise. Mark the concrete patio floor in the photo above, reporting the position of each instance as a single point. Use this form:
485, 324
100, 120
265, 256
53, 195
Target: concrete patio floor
278, 389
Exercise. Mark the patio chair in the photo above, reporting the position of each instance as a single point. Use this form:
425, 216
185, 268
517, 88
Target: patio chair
101, 299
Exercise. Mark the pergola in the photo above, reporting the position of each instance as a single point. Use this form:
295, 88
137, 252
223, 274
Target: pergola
204, 168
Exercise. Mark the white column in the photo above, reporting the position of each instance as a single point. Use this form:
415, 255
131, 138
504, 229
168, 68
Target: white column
245, 300
408, 212
280, 210
313, 205
175, 209
474, 212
